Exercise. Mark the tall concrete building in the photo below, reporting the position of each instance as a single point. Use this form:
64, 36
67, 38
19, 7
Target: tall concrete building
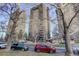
20, 25
20, 29
69, 10
39, 23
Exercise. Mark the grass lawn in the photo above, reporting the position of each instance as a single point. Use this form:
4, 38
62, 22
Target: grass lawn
25, 53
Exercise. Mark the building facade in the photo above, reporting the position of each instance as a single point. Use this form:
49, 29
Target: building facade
39, 23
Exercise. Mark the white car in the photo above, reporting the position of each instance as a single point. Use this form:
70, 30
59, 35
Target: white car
75, 48
3, 45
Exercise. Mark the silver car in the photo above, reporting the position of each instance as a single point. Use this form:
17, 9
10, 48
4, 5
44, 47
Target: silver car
3, 45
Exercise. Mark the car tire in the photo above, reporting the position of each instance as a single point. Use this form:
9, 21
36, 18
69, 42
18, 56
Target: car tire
12, 49
36, 50
23, 49
54, 51
26, 49
74, 52
51, 51
0, 47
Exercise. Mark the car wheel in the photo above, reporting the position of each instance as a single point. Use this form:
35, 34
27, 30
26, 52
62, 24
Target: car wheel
74, 52
35, 50
23, 49
26, 49
38, 50
54, 51
51, 51
0, 47
12, 48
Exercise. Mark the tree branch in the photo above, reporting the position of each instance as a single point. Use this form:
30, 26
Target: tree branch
72, 19
5, 11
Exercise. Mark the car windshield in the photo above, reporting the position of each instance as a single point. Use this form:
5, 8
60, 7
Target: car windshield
45, 46
20, 44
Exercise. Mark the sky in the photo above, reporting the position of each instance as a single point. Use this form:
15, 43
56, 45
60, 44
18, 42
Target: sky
27, 7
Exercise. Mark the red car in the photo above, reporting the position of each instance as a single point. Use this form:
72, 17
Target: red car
44, 48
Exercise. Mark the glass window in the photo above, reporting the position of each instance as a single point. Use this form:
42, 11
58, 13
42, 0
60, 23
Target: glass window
44, 46
21, 44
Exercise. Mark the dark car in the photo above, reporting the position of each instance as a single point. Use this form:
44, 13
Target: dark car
19, 46
44, 48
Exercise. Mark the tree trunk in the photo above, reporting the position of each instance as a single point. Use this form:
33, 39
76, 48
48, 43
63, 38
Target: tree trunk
66, 37
68, 46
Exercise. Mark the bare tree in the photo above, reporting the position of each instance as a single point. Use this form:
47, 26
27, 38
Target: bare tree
69, 50
13, 13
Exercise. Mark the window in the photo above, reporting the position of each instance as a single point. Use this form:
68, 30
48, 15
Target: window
44, 46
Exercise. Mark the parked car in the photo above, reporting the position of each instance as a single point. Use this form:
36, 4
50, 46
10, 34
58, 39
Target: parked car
44, 48
3, 45
19, 46
75, 49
